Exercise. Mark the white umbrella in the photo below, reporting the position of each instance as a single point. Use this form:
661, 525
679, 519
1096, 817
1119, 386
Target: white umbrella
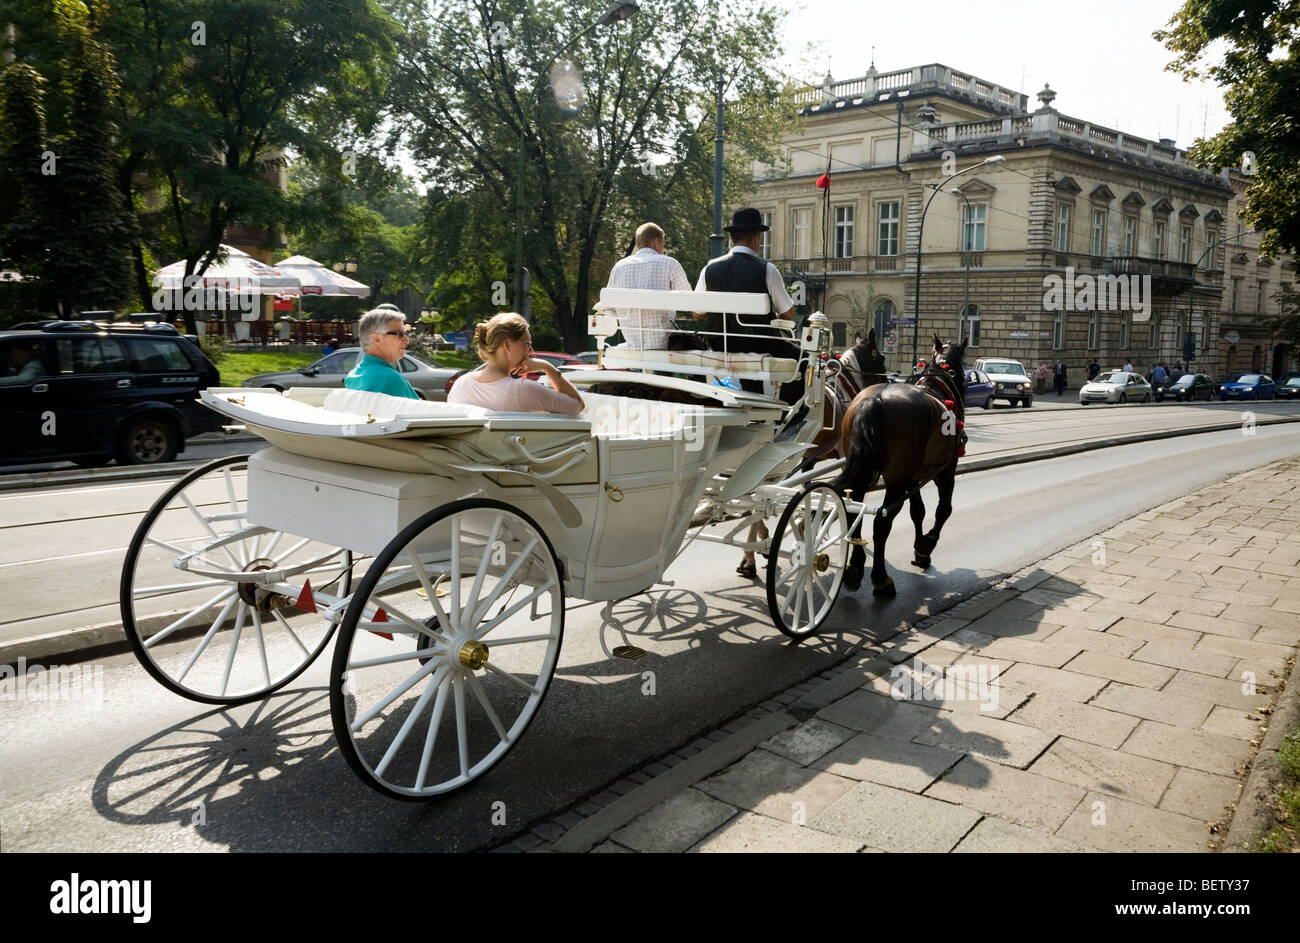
240, 272
316, 279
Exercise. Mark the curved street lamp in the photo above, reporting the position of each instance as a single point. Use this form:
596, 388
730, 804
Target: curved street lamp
916, 294
616, 13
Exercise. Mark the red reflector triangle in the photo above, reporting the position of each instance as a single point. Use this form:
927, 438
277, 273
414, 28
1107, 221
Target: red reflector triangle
381, 616
306, 601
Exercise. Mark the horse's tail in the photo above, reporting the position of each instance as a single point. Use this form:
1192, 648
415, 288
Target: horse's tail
865, 461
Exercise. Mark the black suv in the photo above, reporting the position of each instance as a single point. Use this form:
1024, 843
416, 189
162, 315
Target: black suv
93, 392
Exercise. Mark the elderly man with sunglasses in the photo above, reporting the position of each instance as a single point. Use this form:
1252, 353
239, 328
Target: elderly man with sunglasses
383, 338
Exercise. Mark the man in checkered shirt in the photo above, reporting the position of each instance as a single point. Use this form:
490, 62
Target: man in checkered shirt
648, 268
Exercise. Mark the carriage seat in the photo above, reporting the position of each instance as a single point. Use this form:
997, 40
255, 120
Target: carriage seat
383, 406
713, 363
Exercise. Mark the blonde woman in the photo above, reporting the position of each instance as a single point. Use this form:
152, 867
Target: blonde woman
505, 346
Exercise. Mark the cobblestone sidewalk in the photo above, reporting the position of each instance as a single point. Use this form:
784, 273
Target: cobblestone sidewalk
1109, 699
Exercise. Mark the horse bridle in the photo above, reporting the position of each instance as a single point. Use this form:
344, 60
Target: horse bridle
948, 382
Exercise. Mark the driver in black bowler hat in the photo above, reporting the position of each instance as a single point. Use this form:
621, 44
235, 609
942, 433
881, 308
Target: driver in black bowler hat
741, 269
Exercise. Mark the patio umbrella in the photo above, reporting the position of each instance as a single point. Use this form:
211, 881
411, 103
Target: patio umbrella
316, 279
239, 272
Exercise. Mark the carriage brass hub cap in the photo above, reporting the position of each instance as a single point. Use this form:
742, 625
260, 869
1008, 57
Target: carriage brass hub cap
473, 654
821, 562
248, 591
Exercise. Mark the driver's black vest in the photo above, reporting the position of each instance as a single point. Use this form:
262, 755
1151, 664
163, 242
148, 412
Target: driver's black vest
740, 271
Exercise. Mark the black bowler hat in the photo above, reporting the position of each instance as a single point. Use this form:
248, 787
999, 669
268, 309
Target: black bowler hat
747, 220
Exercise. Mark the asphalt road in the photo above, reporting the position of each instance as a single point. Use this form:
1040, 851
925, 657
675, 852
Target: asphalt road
138, 768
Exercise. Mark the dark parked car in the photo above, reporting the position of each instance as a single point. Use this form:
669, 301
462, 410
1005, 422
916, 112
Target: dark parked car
979, 389
430, 380
90, 393
1190, 387
1290, 389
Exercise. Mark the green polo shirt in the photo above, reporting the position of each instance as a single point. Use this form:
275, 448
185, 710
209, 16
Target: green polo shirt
376, 375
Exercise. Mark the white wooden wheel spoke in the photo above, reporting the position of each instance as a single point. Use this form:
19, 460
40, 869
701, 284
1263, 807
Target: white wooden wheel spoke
284, 623
148, 592
240, 616
261, 644
394, 694
509, 677
812, 612
482, 608
477, 687
180, 623
407, 724
422, 574
165, 545
439, 705
296, 547
462, 733
498, 642
482, 630
454, 575
212, 631
402, 617
398, 657
483, 563
789, 575
198, 516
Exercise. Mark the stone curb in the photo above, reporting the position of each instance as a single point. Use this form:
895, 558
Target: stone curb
1254, 815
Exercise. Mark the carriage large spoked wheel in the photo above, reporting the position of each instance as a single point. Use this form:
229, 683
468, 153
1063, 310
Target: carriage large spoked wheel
447, 649
806, 565
195, 625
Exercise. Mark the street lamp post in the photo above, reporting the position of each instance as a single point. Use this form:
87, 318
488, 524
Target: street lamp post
965, 298
916, 295
616, 13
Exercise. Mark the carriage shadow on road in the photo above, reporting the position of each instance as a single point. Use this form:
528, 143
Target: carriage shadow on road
268, 775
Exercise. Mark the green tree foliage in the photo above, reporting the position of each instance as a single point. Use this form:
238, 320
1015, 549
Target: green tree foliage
1287, 324
66, 225
1260, 71
213, 97
635, 144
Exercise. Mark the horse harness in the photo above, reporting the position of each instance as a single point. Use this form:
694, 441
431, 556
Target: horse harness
949, 397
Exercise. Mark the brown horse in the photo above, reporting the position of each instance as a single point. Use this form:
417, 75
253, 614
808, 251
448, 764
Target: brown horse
869, 365
909, 434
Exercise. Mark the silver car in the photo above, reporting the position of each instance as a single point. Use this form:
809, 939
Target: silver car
430, 381
1115, 387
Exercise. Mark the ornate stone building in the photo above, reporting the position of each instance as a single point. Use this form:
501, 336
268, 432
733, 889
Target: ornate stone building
1141, 248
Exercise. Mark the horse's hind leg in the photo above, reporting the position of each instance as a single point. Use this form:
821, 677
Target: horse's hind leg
857, 560
895, 495
748, 568
925, 545
922, 547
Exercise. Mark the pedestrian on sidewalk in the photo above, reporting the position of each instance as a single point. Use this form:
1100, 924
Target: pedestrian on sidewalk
1061, 379
1094, 368
1040, 377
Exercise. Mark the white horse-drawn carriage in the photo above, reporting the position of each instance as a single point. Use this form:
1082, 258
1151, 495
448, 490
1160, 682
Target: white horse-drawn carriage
442, 540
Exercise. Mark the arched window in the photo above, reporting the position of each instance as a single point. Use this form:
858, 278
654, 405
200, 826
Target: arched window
882, 316
970, 325
1257, 360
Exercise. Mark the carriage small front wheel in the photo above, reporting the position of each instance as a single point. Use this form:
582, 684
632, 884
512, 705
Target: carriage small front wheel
806, 565
447, 648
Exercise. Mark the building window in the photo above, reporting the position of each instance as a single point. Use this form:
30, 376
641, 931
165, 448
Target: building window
801, 234
887, 241
1130, 234
1062, 227
1236, 293
1158, 242
1151, 334
1058, 331
1098, 232
1124, 324
1259, 297
1094, 330
1185, 245
765, 247
970, 325
1199, 328
843, 232
972, 229
884, 318
1211, 244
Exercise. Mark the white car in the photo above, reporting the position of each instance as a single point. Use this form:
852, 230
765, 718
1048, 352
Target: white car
1115, 387
1009, 379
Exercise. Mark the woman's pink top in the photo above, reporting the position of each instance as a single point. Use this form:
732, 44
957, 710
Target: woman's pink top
510, 395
